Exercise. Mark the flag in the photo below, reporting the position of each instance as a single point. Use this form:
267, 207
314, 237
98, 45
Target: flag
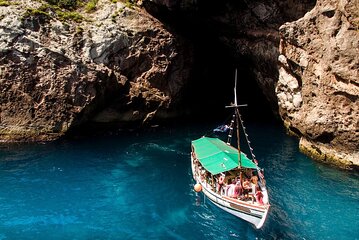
221, 128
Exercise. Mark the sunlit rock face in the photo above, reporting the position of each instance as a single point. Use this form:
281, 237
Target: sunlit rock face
119, 65
318, 87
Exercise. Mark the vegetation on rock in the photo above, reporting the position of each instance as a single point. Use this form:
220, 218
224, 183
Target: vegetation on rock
67, 4
67, 10
4, 3
68, 16
35, 12
91, 5
62, 14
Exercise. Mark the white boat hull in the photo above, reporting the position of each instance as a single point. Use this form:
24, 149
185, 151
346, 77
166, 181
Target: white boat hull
253, 213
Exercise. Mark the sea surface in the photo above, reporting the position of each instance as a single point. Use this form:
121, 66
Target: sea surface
138, 185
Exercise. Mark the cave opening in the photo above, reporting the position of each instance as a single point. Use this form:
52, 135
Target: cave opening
211, 85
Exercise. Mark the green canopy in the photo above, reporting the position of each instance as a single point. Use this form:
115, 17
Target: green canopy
216, 156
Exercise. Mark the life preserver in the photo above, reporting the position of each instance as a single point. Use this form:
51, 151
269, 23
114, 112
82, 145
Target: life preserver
221, 180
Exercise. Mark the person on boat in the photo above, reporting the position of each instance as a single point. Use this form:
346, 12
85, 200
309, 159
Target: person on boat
246, 183
238, 179
259, 197
220, 182
254, 183
208, 178
248, 173
196, 164
237, 189
246, 187
228, 189
234, 189
256, 189
202, 173
253, 194
262, 181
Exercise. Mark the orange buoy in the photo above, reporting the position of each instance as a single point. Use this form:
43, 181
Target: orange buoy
198, 187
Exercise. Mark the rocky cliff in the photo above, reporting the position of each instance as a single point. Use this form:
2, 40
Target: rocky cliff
116, 63
61, 68
318, 87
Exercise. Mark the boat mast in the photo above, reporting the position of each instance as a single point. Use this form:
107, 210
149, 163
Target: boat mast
235, 88
237, 116
237, 121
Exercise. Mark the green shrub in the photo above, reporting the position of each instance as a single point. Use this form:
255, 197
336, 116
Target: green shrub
129, 3
4, 3
67, 4
91, 5
72, 16
47, 8
35, 12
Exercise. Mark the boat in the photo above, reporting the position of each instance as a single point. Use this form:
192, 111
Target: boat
228, 177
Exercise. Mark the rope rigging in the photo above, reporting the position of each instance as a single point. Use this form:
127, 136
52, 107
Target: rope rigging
248, 142
259, 170
230, 134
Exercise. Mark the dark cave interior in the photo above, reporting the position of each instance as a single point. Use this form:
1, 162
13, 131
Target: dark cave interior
211, 86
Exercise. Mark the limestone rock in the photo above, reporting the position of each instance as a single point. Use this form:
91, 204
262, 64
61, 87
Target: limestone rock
319, 71
57, 74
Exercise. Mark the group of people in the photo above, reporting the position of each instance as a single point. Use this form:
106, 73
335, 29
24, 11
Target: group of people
247, 189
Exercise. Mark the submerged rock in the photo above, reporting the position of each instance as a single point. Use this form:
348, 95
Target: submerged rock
318, 87
115, 64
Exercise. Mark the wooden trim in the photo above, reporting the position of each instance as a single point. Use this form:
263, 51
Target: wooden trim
244, 203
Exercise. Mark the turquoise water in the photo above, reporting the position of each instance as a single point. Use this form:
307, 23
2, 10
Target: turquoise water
139, 186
